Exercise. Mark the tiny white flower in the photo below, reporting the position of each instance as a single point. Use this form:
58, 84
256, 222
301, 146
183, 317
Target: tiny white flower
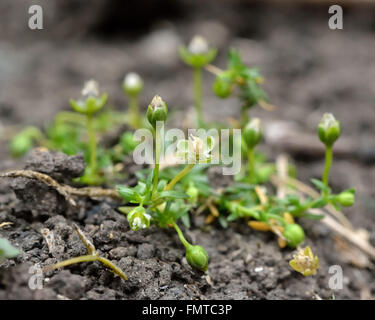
328, 120
90, 89
137, 223
195, 150
198, 45
132, 80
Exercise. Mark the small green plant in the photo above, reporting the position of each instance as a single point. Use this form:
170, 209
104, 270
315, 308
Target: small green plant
329, 132
24, 141
163, 197
156, 199
7, 251
246, 80
132, 86
90, 103
267, 212
197, 55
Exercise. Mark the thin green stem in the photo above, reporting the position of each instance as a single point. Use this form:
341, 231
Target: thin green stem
179, 176
198, 87
134, 110
249, 212
92, 143
155, 178
251, 165
181, 235
244, 116
72, 117
277, 217
327, 166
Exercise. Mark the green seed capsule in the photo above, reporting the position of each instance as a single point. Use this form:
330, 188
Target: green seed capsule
138, 219
294, 234
156, 111
252, 133
193, 193
223, 84
329, 129
197, 257
346, 198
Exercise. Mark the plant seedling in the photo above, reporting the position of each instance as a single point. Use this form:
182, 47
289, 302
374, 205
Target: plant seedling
197, 55
267, 214
25, 140
90, 103
156, 200
92, 255
270, 213
246, 79
7, 251
132, 86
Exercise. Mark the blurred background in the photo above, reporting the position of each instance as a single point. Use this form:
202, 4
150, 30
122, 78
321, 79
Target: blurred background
309, 69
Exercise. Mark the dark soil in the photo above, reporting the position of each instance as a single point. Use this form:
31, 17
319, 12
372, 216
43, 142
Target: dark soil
243, 264
309, 70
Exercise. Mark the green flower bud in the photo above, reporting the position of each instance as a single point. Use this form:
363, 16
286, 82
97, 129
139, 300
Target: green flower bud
20, 145
24, 141
223, 84
91, 102
198, 53
193, 193
127, 142
138, 219
132, 84
156, 111
197, 257
294, 234
346, 198
328, 129
252, 133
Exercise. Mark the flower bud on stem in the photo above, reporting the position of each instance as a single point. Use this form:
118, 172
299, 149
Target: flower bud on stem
196, 256
252, 134
156, 111
90, 103
197, 55
328, 131
132, 86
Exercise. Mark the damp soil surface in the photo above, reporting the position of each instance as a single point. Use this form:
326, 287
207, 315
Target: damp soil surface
309, 70
243, 264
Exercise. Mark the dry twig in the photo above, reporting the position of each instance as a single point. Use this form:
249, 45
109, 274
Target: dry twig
66, 191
